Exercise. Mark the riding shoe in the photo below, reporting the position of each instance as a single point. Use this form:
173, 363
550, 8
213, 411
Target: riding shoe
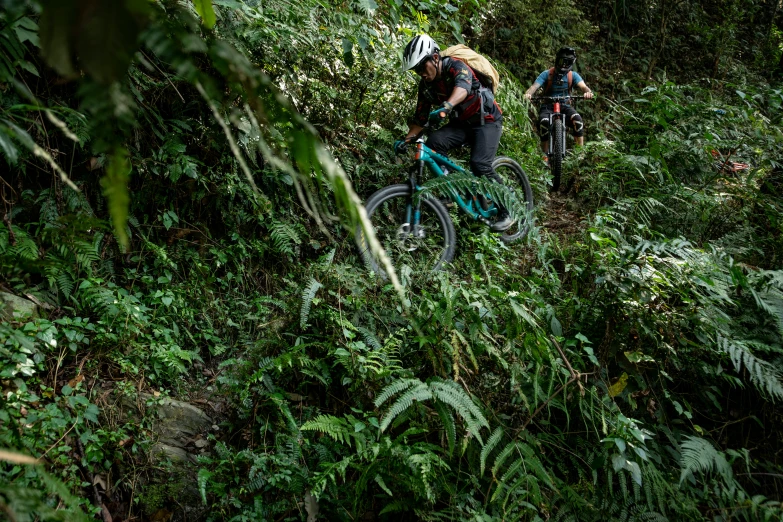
504, 222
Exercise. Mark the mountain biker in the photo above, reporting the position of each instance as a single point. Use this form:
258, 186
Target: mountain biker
558, 81
473, 116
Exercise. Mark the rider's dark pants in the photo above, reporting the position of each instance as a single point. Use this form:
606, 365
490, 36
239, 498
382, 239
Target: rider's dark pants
546, 112
483, 141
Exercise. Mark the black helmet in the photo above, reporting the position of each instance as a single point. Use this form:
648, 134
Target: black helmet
565, 59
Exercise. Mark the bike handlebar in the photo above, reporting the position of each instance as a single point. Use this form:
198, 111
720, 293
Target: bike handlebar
559, 98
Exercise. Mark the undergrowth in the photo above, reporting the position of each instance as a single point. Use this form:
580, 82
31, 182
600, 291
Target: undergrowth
629, 369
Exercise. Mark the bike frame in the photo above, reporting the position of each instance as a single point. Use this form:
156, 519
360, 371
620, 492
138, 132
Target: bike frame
426, 157
556, 114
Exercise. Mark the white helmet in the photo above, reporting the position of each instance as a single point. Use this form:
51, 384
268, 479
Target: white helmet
420, 48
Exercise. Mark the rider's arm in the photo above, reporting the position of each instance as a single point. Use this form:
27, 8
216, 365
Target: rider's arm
463, 81
585, 89
458, 95
532, 90
541, 80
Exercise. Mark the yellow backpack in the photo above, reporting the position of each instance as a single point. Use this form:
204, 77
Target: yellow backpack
486, 73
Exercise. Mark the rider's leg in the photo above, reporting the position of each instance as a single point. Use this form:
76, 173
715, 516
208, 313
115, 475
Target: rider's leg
447, 138
574, 120
484, 146
543, 127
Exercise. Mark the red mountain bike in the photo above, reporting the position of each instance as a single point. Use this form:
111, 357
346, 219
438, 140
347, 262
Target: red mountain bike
557, 135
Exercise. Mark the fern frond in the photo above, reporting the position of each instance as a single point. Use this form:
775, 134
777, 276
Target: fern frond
698, 454
767, 378
370, 339
451, 393
502, 457
398, 506
203, 476
418, 393
284, 237
448, 423
492, 442
393, 389
461, 183
379, 480
307, 299
335, 427
26, 247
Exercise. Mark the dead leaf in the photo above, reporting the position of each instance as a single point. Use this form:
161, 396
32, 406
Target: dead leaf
651, 407
105, 514
76, 380
311, 506
99, 480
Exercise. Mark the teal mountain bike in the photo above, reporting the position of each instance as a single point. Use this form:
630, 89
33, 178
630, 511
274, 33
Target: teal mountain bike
415, 228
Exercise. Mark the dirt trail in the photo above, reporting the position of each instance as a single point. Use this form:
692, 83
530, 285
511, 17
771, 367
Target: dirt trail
562, 216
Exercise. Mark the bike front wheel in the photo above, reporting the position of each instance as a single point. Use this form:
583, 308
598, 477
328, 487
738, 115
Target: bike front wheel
558, 151
428, 244
513, 177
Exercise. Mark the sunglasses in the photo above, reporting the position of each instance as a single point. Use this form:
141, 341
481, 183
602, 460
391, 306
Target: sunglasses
419, 69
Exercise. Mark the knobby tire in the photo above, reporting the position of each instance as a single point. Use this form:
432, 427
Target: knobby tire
386, 211
558, 151
513, 176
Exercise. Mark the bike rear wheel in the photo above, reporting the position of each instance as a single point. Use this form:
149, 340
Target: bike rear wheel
432, 244
513, 177
558, 151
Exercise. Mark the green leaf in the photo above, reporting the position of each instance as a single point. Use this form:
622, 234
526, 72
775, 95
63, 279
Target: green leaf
591, 355
618, 462
557, 328
637, 357
636, 472
27, 66
27, 31
115, 188
348, 52
206, 11
9, 149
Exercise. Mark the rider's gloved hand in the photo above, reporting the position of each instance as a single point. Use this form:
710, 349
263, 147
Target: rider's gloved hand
440, 114
588, 95
401, 145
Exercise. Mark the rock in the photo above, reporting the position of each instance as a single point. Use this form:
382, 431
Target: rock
172, 453
178, 422
16, 308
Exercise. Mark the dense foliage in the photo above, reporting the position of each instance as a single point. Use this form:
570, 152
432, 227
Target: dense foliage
179, 186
